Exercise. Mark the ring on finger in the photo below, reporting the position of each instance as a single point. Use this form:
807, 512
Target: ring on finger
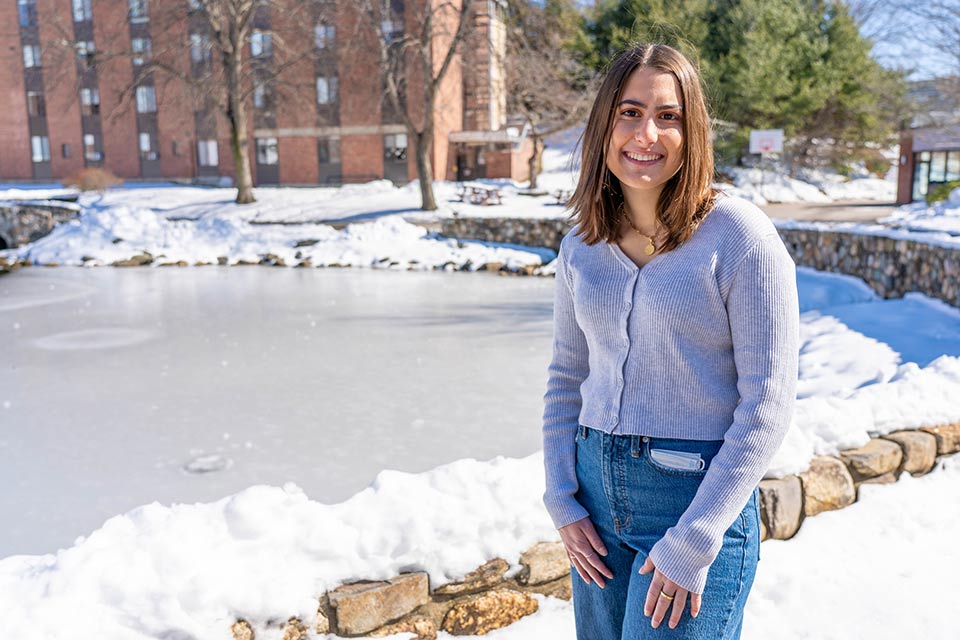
667, 596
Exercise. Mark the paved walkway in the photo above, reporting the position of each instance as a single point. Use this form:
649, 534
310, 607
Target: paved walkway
843, 211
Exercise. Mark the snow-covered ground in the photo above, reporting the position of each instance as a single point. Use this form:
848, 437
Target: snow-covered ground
941, 217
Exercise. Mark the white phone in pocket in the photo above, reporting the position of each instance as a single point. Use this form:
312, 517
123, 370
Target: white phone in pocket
680, 460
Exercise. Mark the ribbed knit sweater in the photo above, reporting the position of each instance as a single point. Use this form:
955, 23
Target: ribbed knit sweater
700, 343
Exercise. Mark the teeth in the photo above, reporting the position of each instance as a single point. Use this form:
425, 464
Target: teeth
643, 157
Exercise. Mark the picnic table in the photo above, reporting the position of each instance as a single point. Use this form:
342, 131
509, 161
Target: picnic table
479, 194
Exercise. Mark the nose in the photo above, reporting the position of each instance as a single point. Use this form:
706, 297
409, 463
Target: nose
646, 131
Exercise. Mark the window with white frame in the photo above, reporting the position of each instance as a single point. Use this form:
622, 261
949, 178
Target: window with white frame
142, 48
147, 148
329, 150
138, 10
395, 146
146, 100
207, 153
326, 90
261, 96
82, 11
267, 151
200, 51
40, 148
91, 147
31, 55
324, 35
261, 44
36, 105
89, 101
85, 51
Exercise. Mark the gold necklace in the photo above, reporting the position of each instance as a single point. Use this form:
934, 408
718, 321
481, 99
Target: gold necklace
650, 249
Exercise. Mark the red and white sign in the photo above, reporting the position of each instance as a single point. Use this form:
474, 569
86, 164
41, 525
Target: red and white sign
766, 141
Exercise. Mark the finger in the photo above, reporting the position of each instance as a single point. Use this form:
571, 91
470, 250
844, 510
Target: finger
594, 571
679, 603
653, 594
695, 601
576, 565
663, 604
647, 566
594, 560
594, 538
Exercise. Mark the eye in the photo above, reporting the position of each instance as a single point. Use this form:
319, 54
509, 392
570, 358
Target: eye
630, 113
669, 115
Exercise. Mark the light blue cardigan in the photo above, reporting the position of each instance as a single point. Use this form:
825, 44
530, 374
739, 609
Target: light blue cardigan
701, 343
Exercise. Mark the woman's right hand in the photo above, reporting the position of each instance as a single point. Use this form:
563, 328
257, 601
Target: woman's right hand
585, 547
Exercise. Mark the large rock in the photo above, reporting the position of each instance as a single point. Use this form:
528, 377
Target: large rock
948, 437
295, 630
242, 630
781, 506
364, 606
423, 627
139, 260
479, 579
876, 458
827, 485
543, 562
560, 588
919, 450
483, 613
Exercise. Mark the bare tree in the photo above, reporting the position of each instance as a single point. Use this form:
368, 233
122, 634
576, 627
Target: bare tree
414, 52
547, 82
214, 49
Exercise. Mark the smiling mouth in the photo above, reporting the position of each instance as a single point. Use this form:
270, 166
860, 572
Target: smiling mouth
643, 157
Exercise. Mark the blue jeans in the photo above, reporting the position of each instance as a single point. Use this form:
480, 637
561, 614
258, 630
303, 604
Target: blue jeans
632, 501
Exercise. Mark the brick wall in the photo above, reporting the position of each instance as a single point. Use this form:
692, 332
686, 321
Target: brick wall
14, 128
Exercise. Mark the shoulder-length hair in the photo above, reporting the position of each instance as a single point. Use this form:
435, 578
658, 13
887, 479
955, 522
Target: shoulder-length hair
688, 195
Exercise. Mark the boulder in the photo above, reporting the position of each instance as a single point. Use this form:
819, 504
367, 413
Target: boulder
481, 578
887, 478
543, 562
919, 450
781, 506
138, 260
364, 606
241, 630
560, 588
948, 437
827, 485
876, 458
423, 627
295, 630
485, 612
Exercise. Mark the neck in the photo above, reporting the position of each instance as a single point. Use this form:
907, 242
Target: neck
642, 209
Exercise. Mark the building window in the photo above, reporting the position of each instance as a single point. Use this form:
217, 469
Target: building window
27, 9
194, 5
31, 55
267, 151
208, 154
323, 35
40, 148
329, 150
35, 104
65, 150
261, 96
261, 45
85, 51
138, 10
141, 48
146, 100
147, 148
200, 52
391, 30
395, 147
82, 11
326, 90
89, 101
91, 147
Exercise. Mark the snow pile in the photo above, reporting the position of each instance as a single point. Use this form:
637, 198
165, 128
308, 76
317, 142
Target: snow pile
943, 217
102, 236
267, 553
763, 186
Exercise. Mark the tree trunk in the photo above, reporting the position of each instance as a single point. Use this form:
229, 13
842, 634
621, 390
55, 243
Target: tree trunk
237, 117
421, 147
534, 162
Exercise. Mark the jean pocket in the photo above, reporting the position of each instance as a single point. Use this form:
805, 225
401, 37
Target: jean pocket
680, 457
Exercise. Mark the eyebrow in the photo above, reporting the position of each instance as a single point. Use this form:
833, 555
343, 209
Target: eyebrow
664, 107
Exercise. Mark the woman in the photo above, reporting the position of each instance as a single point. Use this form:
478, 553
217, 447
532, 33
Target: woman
674, 366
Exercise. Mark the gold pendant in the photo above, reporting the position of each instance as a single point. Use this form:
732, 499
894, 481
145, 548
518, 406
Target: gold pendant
649, 249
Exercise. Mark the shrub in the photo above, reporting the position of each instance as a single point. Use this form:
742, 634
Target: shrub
877, 165
941, 191
92, 179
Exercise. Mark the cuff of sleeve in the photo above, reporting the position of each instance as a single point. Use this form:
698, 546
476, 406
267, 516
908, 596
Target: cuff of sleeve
680, 566
564, 510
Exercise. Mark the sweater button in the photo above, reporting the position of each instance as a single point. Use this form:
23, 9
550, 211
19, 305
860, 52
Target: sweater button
646, 439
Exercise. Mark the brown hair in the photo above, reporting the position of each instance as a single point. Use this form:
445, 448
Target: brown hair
687, 196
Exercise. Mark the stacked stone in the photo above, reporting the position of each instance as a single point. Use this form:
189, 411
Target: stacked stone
526, 231
24, 223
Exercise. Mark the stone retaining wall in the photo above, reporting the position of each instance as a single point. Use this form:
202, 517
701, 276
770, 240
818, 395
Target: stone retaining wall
485, 599
891, 266
24, 223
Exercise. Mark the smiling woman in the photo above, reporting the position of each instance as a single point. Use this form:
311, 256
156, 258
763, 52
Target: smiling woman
674, 367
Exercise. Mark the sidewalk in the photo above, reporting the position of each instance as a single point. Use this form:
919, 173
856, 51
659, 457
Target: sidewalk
841, 211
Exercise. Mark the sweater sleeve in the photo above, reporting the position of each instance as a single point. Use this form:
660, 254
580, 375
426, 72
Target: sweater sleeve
763, 310
567, 371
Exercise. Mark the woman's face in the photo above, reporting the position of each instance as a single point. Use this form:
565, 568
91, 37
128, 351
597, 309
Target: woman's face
646, 146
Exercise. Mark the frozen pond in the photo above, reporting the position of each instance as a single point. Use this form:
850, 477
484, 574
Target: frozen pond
121, 387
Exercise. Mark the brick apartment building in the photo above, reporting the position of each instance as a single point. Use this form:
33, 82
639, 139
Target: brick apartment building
61, 117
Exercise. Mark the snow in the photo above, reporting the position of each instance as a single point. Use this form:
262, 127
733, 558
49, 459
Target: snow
941, 217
